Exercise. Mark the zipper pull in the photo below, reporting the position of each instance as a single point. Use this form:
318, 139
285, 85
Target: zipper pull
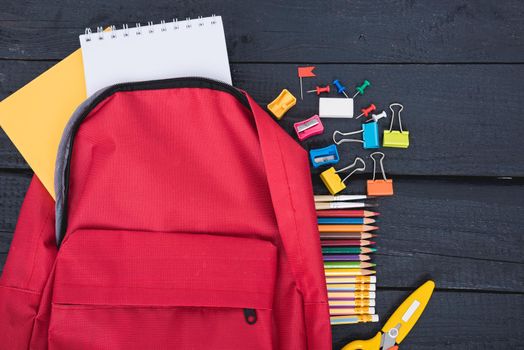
250, 316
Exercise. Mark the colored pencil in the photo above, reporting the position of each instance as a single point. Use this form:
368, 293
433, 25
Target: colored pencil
348, 272
351, 295
342, 205
351, 302
346, 243
351, 279
340, 198
347, 257
340, 221
347, 250
350, 287
340, 311
337, 320
347, 235
346, 228
346, 213
348, 265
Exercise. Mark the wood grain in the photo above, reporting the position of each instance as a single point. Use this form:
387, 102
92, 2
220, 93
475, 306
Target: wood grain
456, 127
295, 30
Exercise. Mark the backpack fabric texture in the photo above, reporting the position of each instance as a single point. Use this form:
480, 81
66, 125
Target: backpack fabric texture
184, 220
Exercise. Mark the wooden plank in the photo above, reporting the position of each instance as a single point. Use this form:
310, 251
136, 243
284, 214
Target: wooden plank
456, 127
465, 234
261, 31
454, 321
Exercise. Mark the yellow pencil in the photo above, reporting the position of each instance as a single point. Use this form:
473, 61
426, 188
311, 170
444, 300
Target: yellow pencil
339, 311
351, 279
352, 303
351, 287
348, 272
335, 320
356, 295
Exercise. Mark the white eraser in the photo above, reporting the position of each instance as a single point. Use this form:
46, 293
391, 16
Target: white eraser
335, 107
373, 279
374, 318
371, 302
371, 295
371, 310
372, 287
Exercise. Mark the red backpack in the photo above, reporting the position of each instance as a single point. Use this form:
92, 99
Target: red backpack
184, 219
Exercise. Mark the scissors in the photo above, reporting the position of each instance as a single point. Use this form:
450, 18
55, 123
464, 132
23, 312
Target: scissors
399, 324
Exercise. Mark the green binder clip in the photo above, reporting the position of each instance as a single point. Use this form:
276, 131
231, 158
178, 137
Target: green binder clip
395, 138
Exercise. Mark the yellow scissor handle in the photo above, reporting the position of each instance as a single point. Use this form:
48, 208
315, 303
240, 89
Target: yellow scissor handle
370, 344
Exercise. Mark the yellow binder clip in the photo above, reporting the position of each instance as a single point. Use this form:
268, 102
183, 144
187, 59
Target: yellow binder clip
332, 180
280, 105
396, 138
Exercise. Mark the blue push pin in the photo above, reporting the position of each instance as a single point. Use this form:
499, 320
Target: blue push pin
341, 89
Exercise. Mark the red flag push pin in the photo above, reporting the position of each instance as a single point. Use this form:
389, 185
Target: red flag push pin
305, 72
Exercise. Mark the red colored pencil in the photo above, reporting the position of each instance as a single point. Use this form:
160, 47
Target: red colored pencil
335, 213
346, 242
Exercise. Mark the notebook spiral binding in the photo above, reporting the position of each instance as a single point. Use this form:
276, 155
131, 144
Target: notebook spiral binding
174, 24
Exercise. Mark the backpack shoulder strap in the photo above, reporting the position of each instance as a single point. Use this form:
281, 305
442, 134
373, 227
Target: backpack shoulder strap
289, 180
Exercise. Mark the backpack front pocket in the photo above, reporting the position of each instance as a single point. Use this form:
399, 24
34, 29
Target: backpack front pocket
156, 290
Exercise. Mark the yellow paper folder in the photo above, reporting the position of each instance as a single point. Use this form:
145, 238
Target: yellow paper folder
35, 116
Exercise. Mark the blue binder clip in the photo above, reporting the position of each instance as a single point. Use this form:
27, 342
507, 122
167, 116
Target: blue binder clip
324, 156
370, 138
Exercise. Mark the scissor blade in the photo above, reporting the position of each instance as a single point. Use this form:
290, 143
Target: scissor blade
409, 311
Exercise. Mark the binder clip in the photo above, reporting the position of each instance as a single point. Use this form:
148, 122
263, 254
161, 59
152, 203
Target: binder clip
379, 187
396, 138
280, 105
370, 138
309, 127
332, 180
324, 156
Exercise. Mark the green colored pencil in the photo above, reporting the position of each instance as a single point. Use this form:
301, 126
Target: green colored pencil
348, 265
347, 250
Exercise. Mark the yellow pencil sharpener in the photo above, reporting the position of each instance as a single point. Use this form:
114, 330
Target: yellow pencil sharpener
395, 139
332, 181
280, 105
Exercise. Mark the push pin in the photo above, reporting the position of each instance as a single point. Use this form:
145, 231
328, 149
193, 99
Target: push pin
320, 89
370, 138
377, 117
379, 187
341, 89
360, 89
324, 156
309, 127
367, 110
305, 72
396, 138
332, 180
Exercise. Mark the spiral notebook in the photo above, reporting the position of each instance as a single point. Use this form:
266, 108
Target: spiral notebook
192, 47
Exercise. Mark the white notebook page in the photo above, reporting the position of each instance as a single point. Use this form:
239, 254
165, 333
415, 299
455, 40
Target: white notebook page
187, 48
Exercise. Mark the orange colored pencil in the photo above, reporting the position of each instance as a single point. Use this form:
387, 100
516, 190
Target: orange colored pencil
346, 228
347, 235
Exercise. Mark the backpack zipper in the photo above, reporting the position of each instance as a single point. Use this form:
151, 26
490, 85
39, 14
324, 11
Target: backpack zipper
250, 315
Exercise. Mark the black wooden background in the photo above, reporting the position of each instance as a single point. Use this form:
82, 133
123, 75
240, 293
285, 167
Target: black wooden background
457, 66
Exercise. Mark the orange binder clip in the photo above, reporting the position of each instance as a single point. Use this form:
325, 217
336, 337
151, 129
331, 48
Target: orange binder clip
379, 187
280, 105
332, 180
